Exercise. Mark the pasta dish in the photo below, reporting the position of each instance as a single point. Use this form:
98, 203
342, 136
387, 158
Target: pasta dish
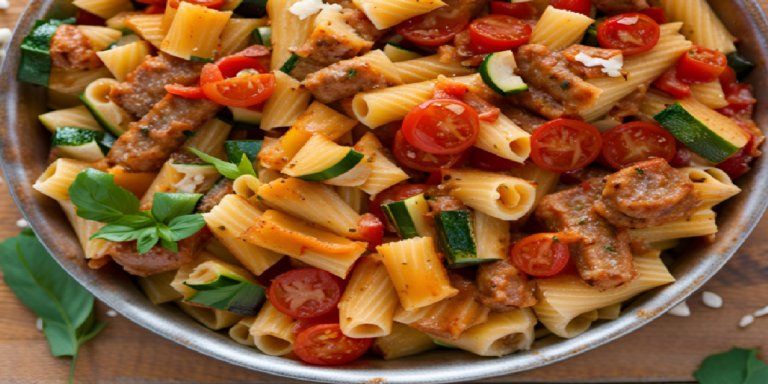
330, 178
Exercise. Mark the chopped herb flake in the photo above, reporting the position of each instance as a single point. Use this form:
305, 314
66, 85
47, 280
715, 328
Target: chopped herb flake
351, 73
582, 221
555, 239
565, 84
639, 170
610, 248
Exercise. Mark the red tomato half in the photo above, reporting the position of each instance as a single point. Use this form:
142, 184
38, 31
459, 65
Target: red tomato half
212, 4
305, 293
579, 6
442, 127
564, 145
487, 161
230, 66
657, 14
188, 92
523, 11
158, 2
371, 230
637, 141
154, 9
241, 92
301, 325
543, 254
87, 18
325, 345
412, 157
669, 83
494, 33
434, 28
737, 95
738, 164
701, 65
632, 33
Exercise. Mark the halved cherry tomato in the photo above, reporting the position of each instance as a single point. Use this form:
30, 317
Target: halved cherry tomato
737, 95
632, 33
412, 157
522, 11
282, 266
154, 9
564, 145
301, 325
158, 2
230, 66
408, 191
210, 74
738, 163
669, 83
487, 161
701, 65
657, 14
87, 18
240, 92
434, 28
212, 4
435, 178
543, 254
637, 141
305, 293
325, 345
371, 230
188, 92
579, 6
441, 127
494, 33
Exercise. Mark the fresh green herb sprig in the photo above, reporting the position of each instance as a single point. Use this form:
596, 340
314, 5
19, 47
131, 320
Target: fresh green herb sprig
737, 366
42, 285
97, 198
229, 170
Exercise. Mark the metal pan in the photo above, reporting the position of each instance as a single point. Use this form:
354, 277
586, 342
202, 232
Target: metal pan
24, 145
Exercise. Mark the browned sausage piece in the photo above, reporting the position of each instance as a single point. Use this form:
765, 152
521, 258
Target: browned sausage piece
158, 259
71, 49
647, 194
603, 256
503, 287
344, 79
615, 7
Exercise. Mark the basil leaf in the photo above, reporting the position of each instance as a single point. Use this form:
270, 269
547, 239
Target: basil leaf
42, 285
737, 366
169, 245
97, 198
126, 228
147, 239
229, 170
186, 226
167, 206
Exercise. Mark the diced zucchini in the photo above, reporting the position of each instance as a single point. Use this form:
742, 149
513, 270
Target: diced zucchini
740, 64
35, 66
251, 8
125, 40
263, 36
703, 130
247, 116
396, 53
112, 117
82, 144
590, 37
456, 235
444, 345
194, 169
498, 72
407, 217
290, 63
236, 148
200, 59
349, 161
223, 286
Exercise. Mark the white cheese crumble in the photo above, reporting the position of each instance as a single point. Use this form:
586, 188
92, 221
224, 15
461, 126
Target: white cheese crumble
112, 313
307, 8
21, 223
39, 324
746, 320
457, 109
680, 310
4, 4
610, 66
5, 33
189, 183
712, 300
629, 20
761, 312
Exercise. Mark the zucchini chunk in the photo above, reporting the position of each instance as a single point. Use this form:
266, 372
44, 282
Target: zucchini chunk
112, 117
246, 116
290, 63
456, 236
236, 148
740, 64
35, 66
226, 287
263, 36
407, 217
82, 144
396, 53
498, 72
706, 132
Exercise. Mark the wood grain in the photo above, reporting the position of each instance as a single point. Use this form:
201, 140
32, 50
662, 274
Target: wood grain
669, 349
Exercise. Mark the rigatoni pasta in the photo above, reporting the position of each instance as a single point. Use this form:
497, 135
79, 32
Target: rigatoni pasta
369, 301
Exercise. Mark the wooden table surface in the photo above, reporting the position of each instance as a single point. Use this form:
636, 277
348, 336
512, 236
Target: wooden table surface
667, 350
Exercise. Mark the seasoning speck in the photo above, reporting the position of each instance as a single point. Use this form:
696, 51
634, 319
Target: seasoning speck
712, 300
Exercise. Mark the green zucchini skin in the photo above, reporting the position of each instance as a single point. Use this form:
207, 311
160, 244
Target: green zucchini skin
402, 215
290, 63
590, 37
246, 116
236, 148
263, 36
740, 64
345, 165
252, 8
489, 72
696, 135
227, 294
35, 66
76, 137
201, 59
456, 235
